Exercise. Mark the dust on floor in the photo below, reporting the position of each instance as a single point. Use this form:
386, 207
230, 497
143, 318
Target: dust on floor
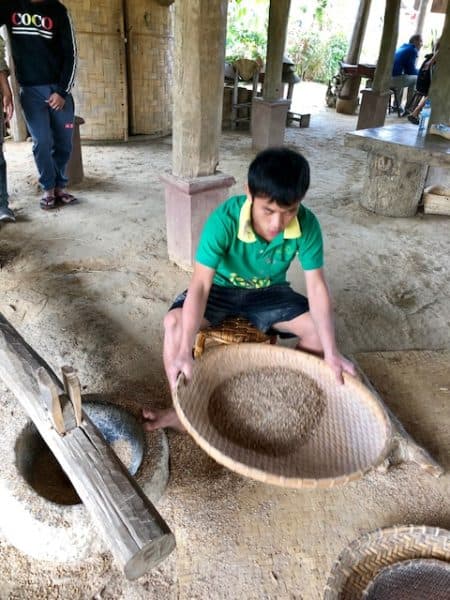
89, 285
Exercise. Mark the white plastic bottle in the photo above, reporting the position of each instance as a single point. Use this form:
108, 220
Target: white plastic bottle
424, 118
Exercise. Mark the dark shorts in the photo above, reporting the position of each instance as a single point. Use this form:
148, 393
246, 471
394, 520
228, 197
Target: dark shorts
262, 307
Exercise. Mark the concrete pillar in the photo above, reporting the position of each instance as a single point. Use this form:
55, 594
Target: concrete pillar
440, 83
195, 188
269, 114
188, 203
348, 96
378, 97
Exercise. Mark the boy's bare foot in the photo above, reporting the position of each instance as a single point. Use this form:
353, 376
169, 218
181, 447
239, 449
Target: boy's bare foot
159, 418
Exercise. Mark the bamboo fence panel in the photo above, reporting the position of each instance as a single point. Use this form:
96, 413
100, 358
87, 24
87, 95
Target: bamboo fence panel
150, 74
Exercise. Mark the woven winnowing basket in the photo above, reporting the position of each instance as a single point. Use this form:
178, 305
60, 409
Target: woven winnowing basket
359, 564
352, 435
417, 579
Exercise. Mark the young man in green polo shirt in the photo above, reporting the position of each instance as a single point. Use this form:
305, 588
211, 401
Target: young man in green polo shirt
245, 250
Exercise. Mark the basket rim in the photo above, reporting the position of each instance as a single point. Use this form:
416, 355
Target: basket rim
275, 478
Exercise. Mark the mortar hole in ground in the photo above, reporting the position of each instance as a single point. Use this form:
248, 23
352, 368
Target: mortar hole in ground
42, 471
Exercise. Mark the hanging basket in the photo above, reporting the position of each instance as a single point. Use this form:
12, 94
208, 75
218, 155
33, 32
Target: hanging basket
279, 416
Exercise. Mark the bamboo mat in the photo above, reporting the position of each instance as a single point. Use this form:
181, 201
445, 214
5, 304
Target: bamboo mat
416, 387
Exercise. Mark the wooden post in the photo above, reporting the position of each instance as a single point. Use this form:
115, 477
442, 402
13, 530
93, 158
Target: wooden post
276, 41
200, 27
374, 103
440, 82
269, 113
421, 16
195, 187
130, 525
348, 96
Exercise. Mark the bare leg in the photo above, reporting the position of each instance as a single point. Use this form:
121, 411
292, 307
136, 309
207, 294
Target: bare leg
420, 105
303, 327
158, 418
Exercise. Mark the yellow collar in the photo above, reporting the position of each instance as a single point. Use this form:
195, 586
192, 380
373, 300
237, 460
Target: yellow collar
246, 233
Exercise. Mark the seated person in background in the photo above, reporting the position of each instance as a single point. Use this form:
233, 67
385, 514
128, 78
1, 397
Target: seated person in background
245, 250
423, 83
404, 71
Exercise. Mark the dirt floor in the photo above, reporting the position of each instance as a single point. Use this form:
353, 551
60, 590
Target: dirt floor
89, 285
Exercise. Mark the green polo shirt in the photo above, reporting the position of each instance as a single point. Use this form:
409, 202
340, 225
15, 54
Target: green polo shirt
241, 258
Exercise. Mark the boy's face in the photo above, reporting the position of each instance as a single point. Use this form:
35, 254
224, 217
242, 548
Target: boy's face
269, 219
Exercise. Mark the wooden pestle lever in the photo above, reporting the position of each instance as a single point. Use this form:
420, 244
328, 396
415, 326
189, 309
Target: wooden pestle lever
130, 525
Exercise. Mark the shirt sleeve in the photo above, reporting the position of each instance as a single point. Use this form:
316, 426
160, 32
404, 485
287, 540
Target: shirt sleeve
311, 244
214, 240
69, 51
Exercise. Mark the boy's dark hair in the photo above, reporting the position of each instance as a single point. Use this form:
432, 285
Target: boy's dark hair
279, 174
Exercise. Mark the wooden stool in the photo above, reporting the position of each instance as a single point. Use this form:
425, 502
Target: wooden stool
234, 330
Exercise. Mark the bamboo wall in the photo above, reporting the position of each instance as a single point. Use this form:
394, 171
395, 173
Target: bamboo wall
124, 76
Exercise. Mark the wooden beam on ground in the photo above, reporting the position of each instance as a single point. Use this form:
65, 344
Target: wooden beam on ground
130, 525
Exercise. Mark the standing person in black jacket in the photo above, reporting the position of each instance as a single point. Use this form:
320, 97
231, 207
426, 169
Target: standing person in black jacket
45, 55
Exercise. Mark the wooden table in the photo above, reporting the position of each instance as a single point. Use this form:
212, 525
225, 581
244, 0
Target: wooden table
399, 159
359, 70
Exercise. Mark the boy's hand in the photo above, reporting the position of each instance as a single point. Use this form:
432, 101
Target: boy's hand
183, 363
340, 364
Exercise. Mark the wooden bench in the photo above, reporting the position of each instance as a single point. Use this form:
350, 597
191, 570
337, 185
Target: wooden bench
398, 162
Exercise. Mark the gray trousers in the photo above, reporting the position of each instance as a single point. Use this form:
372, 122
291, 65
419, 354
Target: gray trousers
404, 81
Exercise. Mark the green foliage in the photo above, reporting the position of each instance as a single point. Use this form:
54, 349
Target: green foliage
312, 44
335, 50
247, 29
319, 13
317, 56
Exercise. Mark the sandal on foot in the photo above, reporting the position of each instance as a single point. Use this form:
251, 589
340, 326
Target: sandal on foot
48, 202
65, 198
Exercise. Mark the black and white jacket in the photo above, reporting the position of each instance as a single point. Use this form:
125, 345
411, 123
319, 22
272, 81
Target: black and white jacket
43, 42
